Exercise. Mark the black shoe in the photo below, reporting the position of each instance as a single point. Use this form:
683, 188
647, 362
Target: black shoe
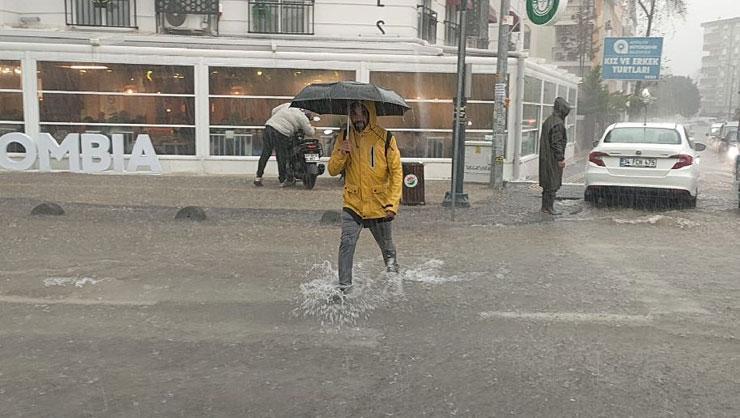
342, 293
391, 266
258, 181
288, 183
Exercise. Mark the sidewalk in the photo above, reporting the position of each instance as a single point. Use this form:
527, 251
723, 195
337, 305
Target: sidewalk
228, 197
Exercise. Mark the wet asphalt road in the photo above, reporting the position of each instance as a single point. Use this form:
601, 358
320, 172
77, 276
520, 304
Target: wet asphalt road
115, 309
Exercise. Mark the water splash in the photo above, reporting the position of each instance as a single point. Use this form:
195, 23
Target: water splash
320, 298
372, 288
429, 272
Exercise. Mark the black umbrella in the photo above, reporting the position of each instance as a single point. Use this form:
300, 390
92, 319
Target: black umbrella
334, 98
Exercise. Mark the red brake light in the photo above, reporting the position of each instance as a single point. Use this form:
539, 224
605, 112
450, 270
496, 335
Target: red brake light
683, 161
596, 158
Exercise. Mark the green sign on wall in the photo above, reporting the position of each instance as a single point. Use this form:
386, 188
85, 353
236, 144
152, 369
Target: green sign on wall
545, 12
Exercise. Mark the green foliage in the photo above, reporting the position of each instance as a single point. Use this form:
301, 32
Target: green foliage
596, 99
676, 95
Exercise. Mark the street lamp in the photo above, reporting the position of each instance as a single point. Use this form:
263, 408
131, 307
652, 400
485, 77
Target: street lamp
646, 98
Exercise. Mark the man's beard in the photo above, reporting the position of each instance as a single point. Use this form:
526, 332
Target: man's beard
359, 126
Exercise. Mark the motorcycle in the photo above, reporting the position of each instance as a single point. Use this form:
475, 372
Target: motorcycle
305, 159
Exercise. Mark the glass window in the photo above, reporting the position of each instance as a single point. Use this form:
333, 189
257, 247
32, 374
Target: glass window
643, 136
562, 92
242, 111
547, 111
425, 144
418, 85
532, 89
530, 117
253, 94
431, 86
269, 81
480, 115
255, 112
11, 107
484, 86
120, 98
10, 75
549, 93
125, 109
236, 142
529, 143
11, 101
420, 89
422, 115
119, 78
11, 98
571, 132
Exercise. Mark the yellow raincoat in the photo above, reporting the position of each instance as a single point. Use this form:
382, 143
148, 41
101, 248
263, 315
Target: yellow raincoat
373, 180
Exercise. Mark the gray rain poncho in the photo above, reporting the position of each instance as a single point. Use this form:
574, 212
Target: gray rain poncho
553, 140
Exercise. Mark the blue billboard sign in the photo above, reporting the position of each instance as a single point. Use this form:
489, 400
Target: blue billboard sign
632, 58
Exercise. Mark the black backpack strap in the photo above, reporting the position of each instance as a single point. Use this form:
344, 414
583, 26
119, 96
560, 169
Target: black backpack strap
388, 137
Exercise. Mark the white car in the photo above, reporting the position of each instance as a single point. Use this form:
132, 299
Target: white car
644, 159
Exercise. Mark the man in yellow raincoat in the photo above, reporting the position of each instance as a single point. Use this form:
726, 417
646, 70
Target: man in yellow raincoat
369, 156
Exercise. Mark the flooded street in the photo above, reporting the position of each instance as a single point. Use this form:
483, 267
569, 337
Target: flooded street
116, 309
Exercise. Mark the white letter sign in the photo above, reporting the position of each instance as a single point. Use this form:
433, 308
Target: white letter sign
96, 151
22, 139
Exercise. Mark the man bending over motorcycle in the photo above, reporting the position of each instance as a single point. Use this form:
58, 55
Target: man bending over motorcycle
285, 122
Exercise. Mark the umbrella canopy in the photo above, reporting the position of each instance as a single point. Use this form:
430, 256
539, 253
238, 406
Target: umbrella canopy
334, 98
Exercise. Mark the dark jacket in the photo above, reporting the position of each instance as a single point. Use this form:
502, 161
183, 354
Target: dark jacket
553, 140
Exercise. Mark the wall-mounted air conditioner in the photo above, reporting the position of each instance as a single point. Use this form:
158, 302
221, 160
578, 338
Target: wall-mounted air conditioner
190, 23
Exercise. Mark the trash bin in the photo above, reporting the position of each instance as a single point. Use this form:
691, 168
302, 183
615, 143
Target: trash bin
413, 184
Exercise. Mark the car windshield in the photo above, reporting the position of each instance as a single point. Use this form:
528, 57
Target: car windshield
730, 131
643, 136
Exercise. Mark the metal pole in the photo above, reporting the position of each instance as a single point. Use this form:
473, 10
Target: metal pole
459, 110
730, 113
499, 116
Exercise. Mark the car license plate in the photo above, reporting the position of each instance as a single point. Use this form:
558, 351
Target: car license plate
638, 162
312, 157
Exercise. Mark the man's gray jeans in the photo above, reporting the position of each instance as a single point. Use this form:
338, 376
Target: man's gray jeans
350, 234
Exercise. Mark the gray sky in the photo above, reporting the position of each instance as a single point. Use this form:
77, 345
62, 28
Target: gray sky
683, 39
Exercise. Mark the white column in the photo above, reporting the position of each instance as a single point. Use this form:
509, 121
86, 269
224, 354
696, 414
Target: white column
202, 112
363, 73
30, 96
518, 115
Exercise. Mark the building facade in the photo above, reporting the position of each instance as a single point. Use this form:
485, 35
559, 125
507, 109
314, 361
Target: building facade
201, 77
574, 43
720, 65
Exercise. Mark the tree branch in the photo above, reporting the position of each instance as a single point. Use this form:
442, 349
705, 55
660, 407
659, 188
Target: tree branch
644, 8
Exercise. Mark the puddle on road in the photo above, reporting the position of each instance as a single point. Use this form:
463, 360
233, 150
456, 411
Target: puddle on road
659, 220
76, 281
372, 289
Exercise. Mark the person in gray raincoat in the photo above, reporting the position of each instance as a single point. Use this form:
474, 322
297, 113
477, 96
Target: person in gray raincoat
553, 139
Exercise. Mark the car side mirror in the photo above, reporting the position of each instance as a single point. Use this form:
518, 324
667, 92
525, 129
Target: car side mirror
699, 146
596, 143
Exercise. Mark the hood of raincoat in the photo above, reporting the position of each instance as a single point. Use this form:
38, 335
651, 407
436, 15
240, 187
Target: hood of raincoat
372, 123
562, 108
